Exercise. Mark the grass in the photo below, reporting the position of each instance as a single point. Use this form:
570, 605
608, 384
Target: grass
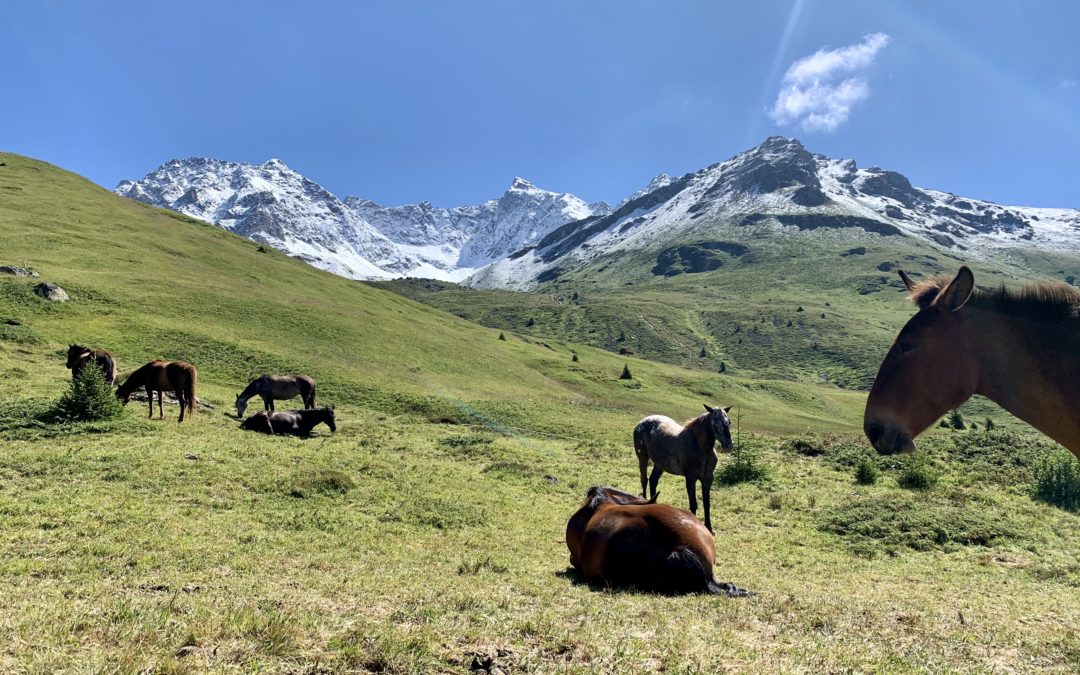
426, 535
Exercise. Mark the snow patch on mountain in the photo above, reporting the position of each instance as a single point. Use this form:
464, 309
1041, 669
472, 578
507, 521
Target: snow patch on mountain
355, 237
776, 187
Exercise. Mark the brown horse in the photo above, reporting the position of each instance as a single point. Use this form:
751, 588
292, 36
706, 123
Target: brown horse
277, 387
1020, 349
688, 451
78, 356
623, 540
160, 376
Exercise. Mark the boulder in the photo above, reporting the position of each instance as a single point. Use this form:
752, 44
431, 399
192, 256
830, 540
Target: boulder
17, 271
51, 292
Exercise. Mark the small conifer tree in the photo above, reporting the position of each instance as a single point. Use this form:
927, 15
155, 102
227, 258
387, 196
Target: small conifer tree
90, 397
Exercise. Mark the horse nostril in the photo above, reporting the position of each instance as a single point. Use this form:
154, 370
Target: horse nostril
874, 431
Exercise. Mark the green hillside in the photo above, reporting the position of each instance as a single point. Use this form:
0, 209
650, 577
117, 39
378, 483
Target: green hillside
805, 306
426, 535
151, 283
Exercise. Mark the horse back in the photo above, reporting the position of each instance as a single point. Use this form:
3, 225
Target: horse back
661, 439
107, 362
651, 546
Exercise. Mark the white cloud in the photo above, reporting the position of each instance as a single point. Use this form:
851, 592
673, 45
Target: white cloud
818, 91
1067, 83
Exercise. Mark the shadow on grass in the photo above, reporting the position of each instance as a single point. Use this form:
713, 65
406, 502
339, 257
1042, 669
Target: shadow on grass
40, 417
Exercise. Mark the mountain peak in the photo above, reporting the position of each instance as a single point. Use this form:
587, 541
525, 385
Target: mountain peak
520, 183
275, 163
779, 142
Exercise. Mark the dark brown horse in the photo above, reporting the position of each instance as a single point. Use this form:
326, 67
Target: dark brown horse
292, 423
685, 450
277, 387
78, 356
1020, 349
161, 376
623, 540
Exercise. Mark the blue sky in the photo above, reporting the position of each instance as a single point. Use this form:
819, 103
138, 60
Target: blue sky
448, 101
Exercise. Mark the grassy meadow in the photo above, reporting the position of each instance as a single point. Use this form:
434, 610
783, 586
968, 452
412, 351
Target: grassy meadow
426, 535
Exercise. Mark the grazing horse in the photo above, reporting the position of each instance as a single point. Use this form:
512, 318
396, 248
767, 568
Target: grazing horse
277, 387
161, 376
624, 540
78, 356
292, 423
687, 451
1020, 349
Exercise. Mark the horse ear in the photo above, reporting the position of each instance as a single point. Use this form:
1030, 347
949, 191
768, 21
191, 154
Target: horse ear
728, 408
708, 407
906, 279
958, 291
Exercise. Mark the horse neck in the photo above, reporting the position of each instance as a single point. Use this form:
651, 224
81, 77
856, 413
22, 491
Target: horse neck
250, 390
309, 421
700, 430
133, 381
1030, 369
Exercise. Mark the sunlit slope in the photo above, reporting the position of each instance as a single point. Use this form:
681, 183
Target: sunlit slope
149, 283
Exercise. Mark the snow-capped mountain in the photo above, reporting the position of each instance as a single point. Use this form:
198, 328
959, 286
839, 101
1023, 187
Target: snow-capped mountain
354, 237
780, 187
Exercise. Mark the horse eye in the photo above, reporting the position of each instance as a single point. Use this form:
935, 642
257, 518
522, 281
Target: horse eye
906, 347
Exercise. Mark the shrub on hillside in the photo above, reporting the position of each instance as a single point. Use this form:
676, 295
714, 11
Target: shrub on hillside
918, 473
746, 466
804, 445
1057, 480
89, 398
886, 523
956, 419
998, 456
866, 472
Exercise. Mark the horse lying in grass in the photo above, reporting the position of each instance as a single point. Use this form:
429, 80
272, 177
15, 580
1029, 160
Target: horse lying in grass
623, 540
279, 388
687, 451
292, 423
78, 356
162, 376
1020, 349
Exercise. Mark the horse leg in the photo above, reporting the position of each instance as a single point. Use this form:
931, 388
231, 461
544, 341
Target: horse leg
270, 403
160, 404
182, 401
706, 488
150, 400
654, 480
691, 489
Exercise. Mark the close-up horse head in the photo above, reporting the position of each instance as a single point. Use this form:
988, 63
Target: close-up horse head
721, 424
929, 370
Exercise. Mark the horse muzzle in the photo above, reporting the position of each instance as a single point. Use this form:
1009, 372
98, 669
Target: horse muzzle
888, 439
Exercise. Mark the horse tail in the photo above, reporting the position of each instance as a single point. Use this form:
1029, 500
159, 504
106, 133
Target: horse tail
727, 588
687, 572
641, 437
189, 390
311, 397
113, 371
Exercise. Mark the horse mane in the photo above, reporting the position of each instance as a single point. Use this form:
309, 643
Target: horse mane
1044, 301
602, 494
701, 430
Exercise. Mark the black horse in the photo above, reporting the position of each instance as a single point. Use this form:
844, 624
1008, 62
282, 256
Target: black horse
292, 423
